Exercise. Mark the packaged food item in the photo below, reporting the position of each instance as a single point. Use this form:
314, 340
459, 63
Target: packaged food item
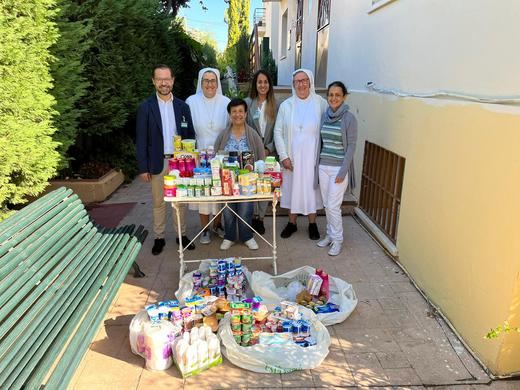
177, 143
314, 284
247, 161
188, 145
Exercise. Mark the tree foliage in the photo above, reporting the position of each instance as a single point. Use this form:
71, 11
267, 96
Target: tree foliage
70, 81
27, 151
100, 54
236, 54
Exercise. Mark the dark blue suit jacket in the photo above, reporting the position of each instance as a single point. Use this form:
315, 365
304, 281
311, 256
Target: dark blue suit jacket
149, 139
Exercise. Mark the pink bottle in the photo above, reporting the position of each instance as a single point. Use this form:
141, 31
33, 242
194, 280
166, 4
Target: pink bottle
190, 166
324, 289
173, 163
182, 167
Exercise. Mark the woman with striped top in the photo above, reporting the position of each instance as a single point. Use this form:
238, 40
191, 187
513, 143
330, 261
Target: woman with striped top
335, 169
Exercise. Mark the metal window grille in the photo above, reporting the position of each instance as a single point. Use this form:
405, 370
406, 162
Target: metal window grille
323, 13
299, 20
381, 187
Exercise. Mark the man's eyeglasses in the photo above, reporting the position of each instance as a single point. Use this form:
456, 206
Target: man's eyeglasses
209, 81
163, 80
301, 82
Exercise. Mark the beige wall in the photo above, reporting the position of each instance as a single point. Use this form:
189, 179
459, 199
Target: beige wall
459, 229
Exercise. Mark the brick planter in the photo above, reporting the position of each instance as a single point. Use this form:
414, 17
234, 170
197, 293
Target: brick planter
91, 190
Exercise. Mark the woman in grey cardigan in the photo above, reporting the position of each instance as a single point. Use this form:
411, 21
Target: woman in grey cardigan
239, 137
334, 162
261, 116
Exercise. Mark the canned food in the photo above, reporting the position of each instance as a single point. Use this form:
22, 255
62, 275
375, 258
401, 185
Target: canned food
247, 328
236, 327
296, 328
238, 337
247, 319
287, 327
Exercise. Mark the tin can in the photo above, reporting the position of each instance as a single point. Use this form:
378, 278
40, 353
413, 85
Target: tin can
287, 327
222, 266
238, 337
246, 339
247, 328
305, 329
236, 327
213, 290
247, 319
296, 328
221, 290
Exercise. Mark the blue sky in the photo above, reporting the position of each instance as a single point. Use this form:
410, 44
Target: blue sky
212, 20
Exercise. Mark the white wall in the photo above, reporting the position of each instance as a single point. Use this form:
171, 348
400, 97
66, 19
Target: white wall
466, 46
310, 21
285, 61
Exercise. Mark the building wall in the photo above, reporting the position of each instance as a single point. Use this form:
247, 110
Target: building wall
459, 221
460, 217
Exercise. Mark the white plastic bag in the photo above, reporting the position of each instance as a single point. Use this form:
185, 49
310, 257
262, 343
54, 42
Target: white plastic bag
185, 289
276, 359
137, 332
341, 292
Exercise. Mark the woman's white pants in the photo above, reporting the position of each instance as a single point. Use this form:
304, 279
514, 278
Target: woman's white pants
332, 195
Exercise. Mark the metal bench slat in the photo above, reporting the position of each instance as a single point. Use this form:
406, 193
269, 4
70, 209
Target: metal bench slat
46, 356
45, 336
34, 208
44, 248
64, 370
9, 249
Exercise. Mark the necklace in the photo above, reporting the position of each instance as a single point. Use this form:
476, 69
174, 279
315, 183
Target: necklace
211, 122
302, 113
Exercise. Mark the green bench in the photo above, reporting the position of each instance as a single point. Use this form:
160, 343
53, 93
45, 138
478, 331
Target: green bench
59, 273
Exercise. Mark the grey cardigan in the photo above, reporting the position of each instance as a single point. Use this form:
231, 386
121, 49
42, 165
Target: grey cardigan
253, 140
252, 107
349, 135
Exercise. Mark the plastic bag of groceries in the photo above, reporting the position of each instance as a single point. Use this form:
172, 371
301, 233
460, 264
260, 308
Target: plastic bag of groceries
277, 359
273, 289
185, 289
152, 340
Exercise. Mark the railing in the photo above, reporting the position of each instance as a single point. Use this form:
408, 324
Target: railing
259, 17
381, 187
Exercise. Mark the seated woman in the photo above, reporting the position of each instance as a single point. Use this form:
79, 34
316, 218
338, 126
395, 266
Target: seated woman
239, 137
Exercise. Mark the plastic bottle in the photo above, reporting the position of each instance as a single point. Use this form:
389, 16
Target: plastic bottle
194, 335
213, 347
324, 289
202, 353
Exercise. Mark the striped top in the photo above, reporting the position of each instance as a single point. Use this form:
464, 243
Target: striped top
332, 148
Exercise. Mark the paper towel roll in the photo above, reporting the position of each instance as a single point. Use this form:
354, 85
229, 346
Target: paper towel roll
157, 339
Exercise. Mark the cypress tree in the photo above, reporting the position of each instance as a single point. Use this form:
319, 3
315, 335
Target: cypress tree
27, 151
70, 82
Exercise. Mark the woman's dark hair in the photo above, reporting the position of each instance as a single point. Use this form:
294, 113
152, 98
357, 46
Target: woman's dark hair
338, 84
236, 102
270, 108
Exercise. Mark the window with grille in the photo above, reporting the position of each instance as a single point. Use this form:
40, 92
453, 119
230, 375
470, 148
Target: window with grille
381, 188
323, 13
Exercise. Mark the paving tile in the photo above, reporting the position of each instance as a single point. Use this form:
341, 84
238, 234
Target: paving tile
298, 379
393, 360
168, 379
257, 380
403, 377
367, 315
434, 361
367, 340
366, 369
373, 290
224, 376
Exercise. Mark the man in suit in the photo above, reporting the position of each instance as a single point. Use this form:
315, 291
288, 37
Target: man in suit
159, 118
